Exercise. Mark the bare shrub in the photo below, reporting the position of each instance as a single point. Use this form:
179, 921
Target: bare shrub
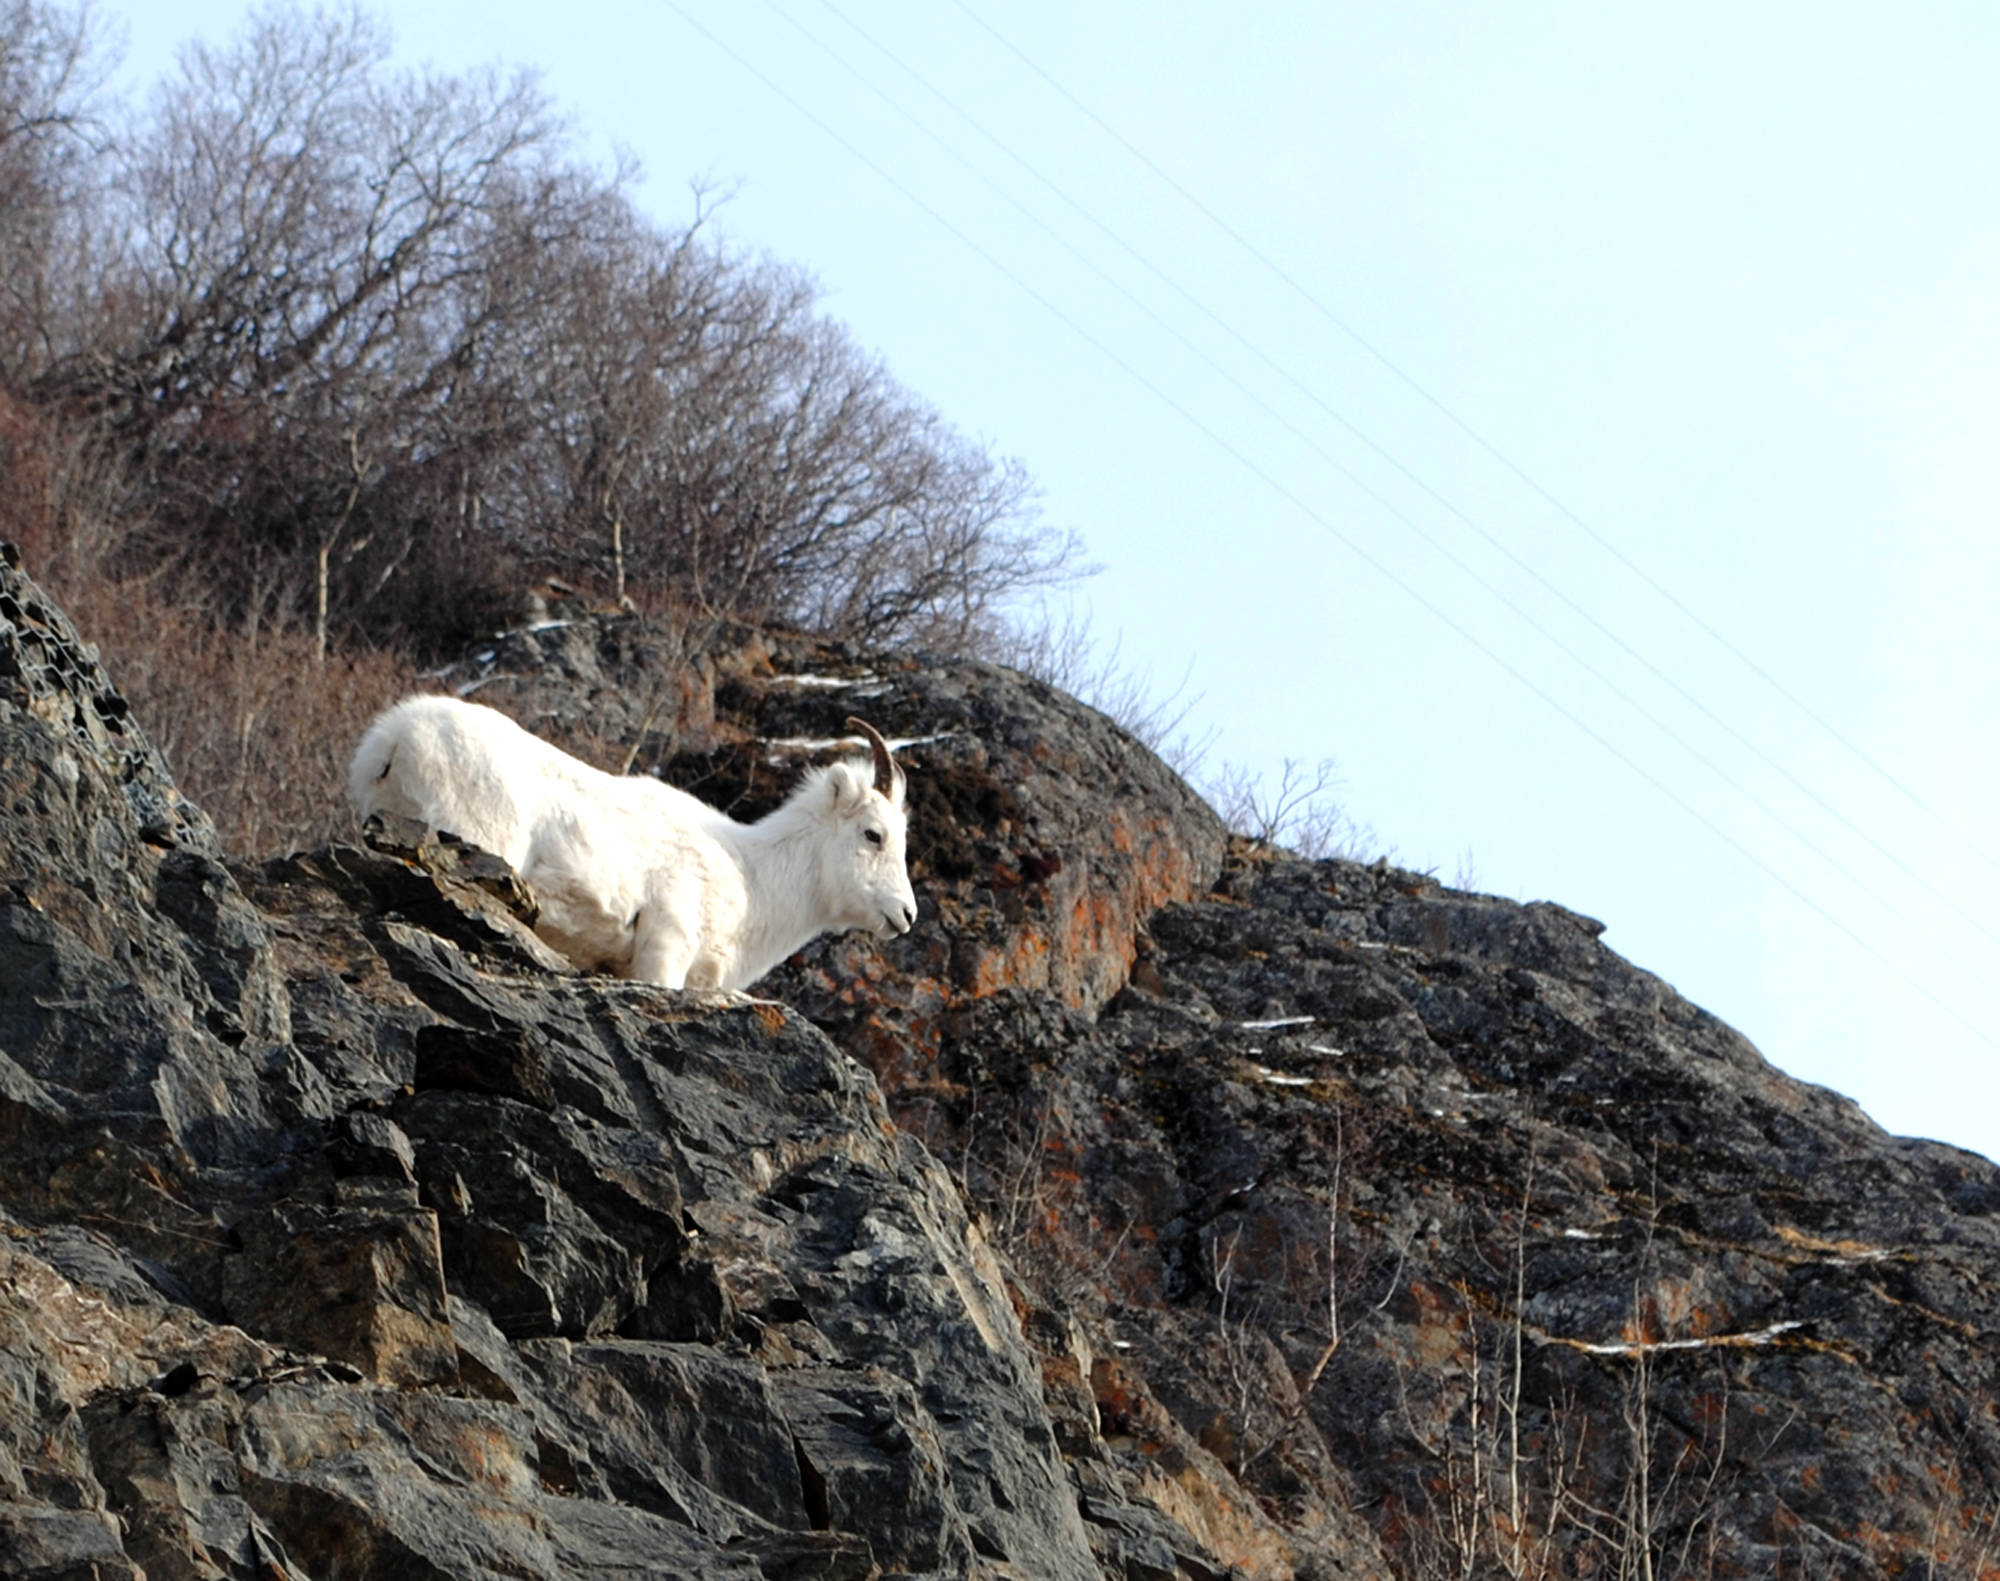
69, 498
1533, 1484
1059, 648
713, 434
1301, 812
255, 725
378, 339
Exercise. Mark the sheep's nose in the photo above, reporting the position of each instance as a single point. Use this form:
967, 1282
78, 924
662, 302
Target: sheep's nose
906, 920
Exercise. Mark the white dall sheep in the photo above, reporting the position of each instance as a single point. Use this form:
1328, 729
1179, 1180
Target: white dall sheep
638, 878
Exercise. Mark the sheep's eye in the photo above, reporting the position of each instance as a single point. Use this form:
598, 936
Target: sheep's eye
874, 836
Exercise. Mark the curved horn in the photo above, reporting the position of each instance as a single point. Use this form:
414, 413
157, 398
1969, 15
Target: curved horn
886, 771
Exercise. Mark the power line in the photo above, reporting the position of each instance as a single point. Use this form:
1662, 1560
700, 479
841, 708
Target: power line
1313, 515
1464, 427
1500, 546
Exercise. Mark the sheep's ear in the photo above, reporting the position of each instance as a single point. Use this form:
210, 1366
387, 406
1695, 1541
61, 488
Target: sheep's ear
847, 785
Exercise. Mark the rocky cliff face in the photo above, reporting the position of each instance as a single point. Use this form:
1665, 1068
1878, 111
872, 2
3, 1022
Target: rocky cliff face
1163, 1206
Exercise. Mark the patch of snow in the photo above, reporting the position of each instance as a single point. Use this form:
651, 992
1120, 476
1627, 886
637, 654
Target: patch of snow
1281, 1021
830, 682
1575, 1234
1278, 1078
846, 743
1762, 1336
1327, 1049
530, 630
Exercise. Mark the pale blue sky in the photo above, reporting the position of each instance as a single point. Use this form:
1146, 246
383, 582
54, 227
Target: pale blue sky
1724, 280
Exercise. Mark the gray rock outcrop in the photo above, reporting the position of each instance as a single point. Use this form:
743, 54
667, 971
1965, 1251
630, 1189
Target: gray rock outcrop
347, 1231
1164, 1207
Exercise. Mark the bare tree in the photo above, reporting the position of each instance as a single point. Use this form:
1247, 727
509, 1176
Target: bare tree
315, 253
52, 140
374, 344
299, 214
707, 434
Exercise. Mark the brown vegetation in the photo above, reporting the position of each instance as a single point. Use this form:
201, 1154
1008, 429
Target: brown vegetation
314, 366
250, 719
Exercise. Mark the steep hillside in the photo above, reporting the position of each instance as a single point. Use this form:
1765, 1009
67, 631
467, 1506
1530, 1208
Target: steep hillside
1162, 1206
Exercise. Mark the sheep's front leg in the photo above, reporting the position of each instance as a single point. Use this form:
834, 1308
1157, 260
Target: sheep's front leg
662, 952
706, 972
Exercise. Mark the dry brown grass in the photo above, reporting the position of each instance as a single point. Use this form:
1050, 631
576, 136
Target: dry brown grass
254, 729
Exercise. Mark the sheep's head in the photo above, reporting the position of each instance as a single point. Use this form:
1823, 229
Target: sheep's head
863, 865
